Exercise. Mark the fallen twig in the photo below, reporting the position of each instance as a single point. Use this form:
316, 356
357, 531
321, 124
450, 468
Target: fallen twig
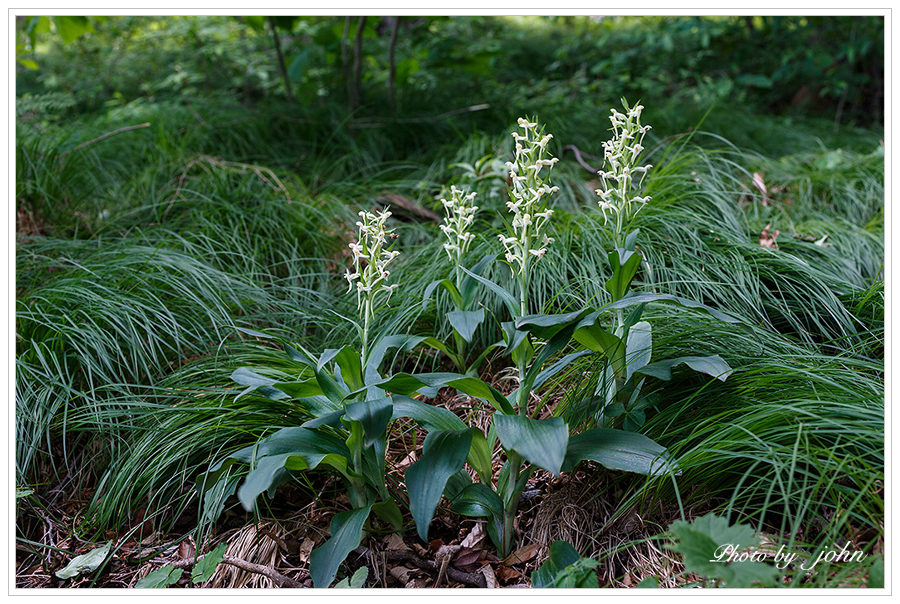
472, 579
104, 137
578, 158
276, 577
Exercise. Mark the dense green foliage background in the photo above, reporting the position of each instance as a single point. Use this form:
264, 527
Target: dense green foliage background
139, 254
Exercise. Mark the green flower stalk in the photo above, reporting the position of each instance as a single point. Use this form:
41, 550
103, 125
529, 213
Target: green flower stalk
460, 209
528, 193
370, 261
623, 179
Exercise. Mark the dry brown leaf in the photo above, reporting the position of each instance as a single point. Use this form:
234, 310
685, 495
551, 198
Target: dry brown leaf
523, 554
395, 542
467, 556
186, 549
508, 574
769, 240
761, 185
306, 549
475, 536
489, 578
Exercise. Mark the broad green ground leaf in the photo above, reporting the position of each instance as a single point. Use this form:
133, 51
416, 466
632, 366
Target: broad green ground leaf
247, 377
565, 568
542, 442
469, 285
71, 27
346, 535
86, 563
703, 544
714, 366
444, 454
374, 415
160, 578
876, 575
402, 342
616, 450
357, 581
206, 567
465, 322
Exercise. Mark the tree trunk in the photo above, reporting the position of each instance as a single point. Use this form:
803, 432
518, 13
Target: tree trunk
284, 71
393, 67
357, 64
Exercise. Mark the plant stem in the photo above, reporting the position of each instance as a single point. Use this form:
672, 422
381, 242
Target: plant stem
511, 503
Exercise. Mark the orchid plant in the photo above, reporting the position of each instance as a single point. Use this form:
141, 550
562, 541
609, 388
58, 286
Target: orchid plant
341, 390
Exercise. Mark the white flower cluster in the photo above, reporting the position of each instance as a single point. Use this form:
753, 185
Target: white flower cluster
370, 260
621, 154
528, 194
460, 210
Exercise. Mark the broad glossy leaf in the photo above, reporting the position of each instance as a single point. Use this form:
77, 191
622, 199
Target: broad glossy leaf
86, 563
714, 366
565, 568
546, 326
638, 348
70, 27
388, 511
478, 500
617, 450
593, 337
447, 284
405, 383
247, 377
624, 264
514, 337
508, 299
346, 535
160, 578
428, 416
401, 341
444, 454
643, 298
357, 581
465, 322
351, 369
469, 285
374, 416
300, 389
540, 441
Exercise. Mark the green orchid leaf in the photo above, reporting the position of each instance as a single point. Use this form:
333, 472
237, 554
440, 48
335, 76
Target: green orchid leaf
86, 563
541, 442
402, 342
447, 284
617, 450
546, 326
479, 501
593, 337
160, 578
469, 285
714, 366
444, 454
638, 348
374, 415
465, 322
644, 298
247, 377
507, 298
513, 336
405, 383
456, 484
346, 535
300, 389
565, 568
388, 511
428, 416
351, 368
624, 266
